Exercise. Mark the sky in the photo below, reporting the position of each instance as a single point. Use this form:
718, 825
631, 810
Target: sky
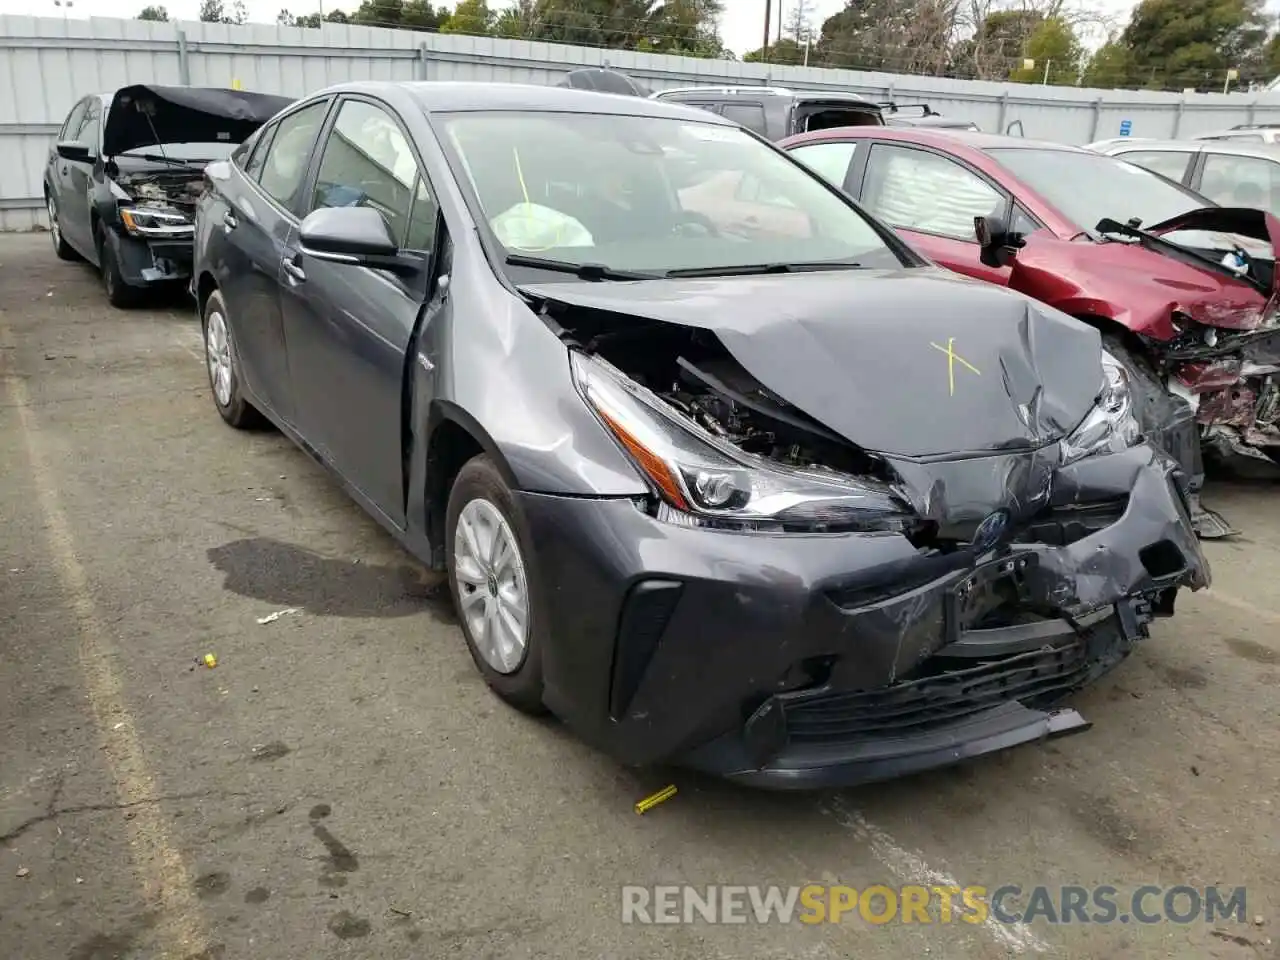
742, 25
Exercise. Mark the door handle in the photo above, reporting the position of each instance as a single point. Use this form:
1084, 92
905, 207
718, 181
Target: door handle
229, 220
294, 272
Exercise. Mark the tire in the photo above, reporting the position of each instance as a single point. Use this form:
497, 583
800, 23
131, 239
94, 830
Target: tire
222, 362
63, 249
480, 503
119, 293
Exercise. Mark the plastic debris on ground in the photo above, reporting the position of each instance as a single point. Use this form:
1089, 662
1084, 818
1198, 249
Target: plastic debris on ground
273, 617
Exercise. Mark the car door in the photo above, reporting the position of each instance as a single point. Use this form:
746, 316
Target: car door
1234, 180
59, 175
257, 217
348, 327
932, 199
1174, 165
73, 211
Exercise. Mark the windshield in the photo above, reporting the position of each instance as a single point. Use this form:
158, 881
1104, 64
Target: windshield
184, 151
647, 195
1086, 187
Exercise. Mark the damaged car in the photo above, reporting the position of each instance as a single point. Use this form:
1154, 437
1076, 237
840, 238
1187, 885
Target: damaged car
124, 174
1182, 290
794, 507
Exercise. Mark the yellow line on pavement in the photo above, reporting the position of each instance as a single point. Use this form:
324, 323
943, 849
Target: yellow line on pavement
157, 863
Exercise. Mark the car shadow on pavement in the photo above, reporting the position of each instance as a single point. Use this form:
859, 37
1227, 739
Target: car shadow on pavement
292, 576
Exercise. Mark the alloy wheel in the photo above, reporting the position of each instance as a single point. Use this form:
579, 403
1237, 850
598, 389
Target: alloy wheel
54, 229
492, 588
217, 349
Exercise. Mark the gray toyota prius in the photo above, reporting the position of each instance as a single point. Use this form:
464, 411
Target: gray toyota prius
721, 471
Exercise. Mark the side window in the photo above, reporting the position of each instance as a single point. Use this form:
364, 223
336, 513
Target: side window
1241, 181
367, 163
1022, 223
287, 157
1167, 163
258, 158
91, 130
828, 160
750, 115
923, 191
71, 126
421, 234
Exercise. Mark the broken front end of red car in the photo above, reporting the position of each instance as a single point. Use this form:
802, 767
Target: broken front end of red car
1224, 355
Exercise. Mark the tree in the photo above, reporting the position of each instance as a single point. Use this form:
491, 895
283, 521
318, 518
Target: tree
900, 36
997, 45
158, 14
379, 13
1110, 66
1192, 43
1055, 51
472, 17
799, 24
215, 11
421, 15
785, 52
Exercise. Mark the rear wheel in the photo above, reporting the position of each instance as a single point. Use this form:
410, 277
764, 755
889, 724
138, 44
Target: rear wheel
223, 364
63, 249
494, 586
119, 293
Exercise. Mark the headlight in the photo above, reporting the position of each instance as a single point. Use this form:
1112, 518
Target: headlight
155, 221
1111, 425
703, 481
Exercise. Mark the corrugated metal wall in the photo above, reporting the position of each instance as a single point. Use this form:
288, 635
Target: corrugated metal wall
47, 63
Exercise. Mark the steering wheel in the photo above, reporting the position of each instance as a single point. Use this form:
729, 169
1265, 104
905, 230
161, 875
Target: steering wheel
690, 218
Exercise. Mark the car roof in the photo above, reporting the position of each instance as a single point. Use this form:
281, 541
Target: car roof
1270, 151
753, 90
942, 137
447, 96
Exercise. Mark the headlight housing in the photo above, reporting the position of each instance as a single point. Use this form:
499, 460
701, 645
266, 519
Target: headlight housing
157, 221
704, 481
1111, 426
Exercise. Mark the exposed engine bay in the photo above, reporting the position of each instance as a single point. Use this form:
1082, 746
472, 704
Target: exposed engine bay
179, 188
692, 371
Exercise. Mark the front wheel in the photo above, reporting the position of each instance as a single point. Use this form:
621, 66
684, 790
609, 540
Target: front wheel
494, 586
223, 362
119, 293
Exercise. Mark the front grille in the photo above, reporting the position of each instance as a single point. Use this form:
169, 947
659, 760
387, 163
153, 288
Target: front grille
1034, 678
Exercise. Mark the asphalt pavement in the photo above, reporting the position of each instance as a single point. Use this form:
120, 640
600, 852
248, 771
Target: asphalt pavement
342, 784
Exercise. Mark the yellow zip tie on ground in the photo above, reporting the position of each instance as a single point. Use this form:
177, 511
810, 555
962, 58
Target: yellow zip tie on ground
651, 801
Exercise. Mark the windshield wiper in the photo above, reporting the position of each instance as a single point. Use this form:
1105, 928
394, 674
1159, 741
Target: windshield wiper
157, 158
584, 271
755, 269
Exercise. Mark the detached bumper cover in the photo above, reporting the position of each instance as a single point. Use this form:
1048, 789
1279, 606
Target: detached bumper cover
146, 262
784, 660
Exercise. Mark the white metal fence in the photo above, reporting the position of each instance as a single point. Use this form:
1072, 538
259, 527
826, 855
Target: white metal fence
49, 63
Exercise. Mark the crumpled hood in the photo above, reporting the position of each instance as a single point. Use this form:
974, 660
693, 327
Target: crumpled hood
1229, 224
184, 115
911, 363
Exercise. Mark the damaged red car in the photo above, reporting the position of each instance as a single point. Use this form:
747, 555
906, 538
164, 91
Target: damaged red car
1183, 291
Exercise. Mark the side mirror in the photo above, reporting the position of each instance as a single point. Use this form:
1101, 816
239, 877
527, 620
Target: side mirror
73, 150
998, 245
354, 235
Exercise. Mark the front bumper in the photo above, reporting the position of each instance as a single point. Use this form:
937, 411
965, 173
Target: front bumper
145, 263
730, 652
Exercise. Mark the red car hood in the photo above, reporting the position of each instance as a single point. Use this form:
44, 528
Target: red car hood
1142, 288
